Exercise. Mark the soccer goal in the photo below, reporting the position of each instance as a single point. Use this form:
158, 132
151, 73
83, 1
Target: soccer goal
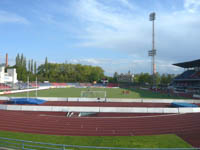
100, 95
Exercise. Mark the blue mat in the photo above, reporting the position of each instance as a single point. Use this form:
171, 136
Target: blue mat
27, 101
180, 104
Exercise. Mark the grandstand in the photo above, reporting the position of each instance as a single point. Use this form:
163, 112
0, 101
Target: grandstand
189, 80
4, 86
110, 85
59, 84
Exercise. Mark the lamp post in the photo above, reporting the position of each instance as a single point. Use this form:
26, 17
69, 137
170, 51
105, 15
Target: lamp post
152, 52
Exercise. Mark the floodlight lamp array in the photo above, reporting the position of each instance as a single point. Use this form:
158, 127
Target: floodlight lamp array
152, 52
152, 16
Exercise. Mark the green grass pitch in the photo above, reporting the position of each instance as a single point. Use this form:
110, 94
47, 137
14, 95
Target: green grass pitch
155, 141
111, 93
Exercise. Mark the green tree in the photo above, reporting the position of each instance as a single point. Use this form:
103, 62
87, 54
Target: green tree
35, 68
115, 77
31, 66
70, 72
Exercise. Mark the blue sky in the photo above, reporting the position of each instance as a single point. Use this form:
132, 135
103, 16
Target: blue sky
113, 34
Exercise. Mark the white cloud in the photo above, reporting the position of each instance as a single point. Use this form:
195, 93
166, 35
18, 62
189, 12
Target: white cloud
127, 4
86, 61
127, 30
7, 17
124, 65
107, 28
192, 5
166, 66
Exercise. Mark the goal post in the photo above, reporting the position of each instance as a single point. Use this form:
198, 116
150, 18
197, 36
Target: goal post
94, 94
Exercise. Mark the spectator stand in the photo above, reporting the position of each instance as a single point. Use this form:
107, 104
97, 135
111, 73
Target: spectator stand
188, 83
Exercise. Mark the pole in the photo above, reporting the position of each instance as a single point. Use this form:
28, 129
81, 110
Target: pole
36, 88
152, 52
28, 87
153, 57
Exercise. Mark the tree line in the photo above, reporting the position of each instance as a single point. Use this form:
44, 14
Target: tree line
146, 78
161, 79
64, 72
54, 72
25, 69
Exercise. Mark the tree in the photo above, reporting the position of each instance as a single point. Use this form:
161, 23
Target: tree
55, 72
166, 79
31, 66
21, 67
35, 68
145, 78
115, 77
17, 60
70, 72
46, 68
158, 78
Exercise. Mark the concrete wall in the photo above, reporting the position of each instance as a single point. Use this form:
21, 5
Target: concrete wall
99, 109
77, 99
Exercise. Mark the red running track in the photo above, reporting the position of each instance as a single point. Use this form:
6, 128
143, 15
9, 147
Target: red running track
100, 104
186, 126
105, 104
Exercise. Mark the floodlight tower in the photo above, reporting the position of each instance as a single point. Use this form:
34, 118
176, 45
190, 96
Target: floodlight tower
152, 52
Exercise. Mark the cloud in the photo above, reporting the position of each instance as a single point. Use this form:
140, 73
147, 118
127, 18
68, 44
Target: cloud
124, 65
192, 5
86, 61
8, 17
107, 27
122, 26
130, 31
128, 5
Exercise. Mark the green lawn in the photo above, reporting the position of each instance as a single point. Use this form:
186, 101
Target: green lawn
111, 93
156, 141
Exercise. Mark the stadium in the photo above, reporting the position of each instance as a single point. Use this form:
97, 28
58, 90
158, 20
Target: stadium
83, 109
136, 116
72, 102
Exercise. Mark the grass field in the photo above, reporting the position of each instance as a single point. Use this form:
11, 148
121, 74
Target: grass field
156, 141
111, 93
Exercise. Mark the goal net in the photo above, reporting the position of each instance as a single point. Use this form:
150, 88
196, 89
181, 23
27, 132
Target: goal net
94, 94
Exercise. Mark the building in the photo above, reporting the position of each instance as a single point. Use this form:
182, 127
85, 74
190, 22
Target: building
8, 77
189, 80
125, 77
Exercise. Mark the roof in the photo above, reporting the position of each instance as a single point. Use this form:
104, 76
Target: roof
189, 64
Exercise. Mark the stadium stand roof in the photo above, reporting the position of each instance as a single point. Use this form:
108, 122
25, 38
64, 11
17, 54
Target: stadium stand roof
189, 64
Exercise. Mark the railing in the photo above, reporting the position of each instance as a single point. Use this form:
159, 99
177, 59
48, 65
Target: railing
30, 145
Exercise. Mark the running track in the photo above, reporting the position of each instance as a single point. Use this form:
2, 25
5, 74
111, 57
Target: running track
187, 126
100, 104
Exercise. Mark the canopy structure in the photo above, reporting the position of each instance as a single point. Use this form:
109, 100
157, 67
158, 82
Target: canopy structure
33, 101
189, 64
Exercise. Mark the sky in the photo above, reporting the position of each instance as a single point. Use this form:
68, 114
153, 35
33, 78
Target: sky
113, 34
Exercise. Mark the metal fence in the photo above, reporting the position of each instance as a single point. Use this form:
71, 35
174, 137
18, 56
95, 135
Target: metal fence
15, 144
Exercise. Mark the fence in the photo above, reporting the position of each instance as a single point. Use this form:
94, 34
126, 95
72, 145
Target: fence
30, 145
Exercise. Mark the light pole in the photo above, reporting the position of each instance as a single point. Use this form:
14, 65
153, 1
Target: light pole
152, 52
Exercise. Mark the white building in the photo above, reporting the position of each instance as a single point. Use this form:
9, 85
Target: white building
8, 77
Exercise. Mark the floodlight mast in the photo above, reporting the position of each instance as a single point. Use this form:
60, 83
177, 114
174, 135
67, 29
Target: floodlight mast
152, 52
